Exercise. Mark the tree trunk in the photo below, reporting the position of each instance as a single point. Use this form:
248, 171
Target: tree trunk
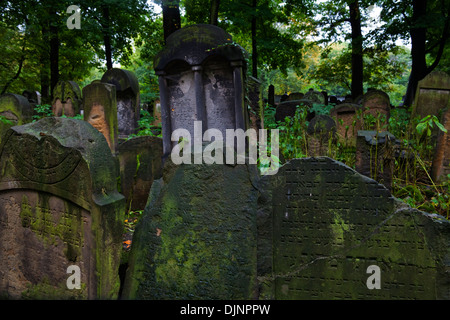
107, 37
254, 45
44, 63
214, 12
357, 50
418, 53
54, 53
171, 17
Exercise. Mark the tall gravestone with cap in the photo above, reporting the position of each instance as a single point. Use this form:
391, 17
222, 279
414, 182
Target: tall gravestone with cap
66, 99
59, 209
128, 99
201, 78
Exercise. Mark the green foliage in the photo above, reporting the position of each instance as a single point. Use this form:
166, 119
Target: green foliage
44, 110
3, 120
146, 128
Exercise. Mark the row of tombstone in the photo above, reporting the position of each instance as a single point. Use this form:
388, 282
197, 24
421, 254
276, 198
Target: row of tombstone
312, 231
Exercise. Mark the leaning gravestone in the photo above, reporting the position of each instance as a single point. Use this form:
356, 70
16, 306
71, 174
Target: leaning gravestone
140, 161
15, 110
432, 95
59, 208
255, 102
100, 110
197, 238
66, 99
201, 78
327, 228
128, 101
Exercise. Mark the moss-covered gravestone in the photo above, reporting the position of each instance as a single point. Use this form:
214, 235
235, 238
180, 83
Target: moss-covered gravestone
100, 110
140, 160
197, 238
66, 99
128, 101
14, 110
432, 95
59, 210
331, 233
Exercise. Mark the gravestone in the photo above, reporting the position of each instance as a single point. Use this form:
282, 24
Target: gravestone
59, 208
314, 97
157, 113
288, 109
441, 159
197, 237
67, 99
255, 102
33, 97
201, 78
347, 118
326, 227
15, 110
375, 156
100, 110
295, 96
140, 160
321, 134
377, 104
432, 95
127, 97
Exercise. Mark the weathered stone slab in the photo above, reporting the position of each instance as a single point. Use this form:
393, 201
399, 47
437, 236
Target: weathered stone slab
100, 110
66, 99
140, 161
197, 238
16, 110
295, 96
256, 111
331, 225
432, 95
128, 99
59, 207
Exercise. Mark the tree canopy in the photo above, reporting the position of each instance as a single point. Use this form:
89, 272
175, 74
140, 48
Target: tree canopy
340, 46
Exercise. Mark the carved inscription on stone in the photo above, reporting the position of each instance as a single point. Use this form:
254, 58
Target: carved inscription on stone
330, 224
49, 235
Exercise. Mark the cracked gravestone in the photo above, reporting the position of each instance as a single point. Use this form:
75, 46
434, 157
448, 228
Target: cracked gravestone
59, 207
325, 225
